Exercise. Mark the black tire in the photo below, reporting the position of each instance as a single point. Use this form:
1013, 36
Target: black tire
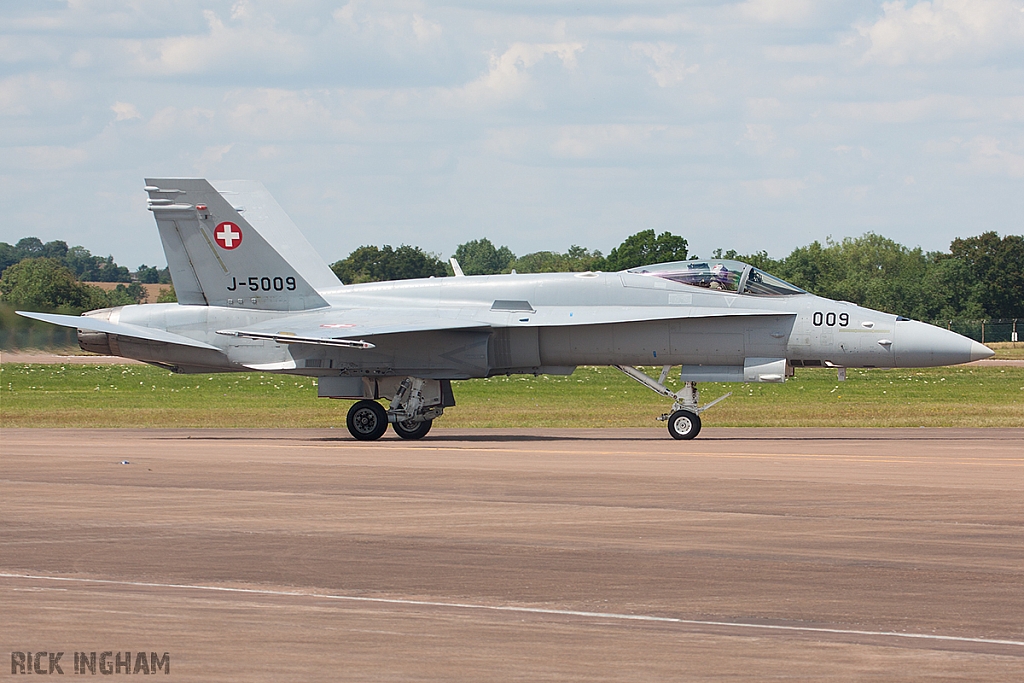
683, 424
412, 430
367, 420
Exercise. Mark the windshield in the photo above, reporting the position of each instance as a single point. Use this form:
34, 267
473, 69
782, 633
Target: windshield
721, 274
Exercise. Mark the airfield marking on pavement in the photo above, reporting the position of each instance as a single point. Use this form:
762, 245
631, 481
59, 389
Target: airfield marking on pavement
533, 610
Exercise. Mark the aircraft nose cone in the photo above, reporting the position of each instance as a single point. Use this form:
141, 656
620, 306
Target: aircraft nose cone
981, 352
919, 345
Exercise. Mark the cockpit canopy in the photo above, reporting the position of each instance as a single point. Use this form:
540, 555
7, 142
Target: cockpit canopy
721, 274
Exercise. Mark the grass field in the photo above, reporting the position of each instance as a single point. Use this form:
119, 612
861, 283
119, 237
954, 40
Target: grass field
1008, 350
144, 396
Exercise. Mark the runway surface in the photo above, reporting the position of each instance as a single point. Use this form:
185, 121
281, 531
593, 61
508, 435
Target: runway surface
474, 555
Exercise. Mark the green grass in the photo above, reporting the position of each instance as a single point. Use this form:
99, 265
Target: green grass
144, 396
1008, 350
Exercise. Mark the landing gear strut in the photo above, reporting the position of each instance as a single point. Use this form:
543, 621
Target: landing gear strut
410, 418
684, 420
409, 414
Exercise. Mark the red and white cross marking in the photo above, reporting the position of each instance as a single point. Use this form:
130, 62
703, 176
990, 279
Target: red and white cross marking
228, 235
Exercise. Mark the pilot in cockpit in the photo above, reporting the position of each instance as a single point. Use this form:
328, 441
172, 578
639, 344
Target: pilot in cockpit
720, 277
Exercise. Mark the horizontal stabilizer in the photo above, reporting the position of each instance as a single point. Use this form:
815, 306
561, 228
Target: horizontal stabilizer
120, 329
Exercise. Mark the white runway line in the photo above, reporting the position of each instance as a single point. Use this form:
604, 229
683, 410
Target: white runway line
531, 610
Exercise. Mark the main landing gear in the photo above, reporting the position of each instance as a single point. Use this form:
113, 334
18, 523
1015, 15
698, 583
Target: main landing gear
367, 420
408, 415
684, 420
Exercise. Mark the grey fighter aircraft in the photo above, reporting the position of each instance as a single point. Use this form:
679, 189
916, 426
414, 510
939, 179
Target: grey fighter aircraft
254, 295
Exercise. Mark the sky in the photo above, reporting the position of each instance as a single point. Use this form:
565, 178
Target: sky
539, 124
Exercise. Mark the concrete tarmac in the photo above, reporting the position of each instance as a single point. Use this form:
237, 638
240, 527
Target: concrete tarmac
619, 555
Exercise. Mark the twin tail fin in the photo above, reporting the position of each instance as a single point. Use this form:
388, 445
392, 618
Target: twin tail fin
233, 245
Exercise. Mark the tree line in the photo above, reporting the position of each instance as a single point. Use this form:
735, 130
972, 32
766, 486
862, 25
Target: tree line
979, 277
52, 276
481, 257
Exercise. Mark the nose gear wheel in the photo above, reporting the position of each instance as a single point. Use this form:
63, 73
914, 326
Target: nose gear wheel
682, 424
684, 421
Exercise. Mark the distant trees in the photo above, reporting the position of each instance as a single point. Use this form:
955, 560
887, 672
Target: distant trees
576, 260
46, 284
78, 260
980, 277
480, 257
150, 275
52, 276
167, 296
644, 248
370, 264
992, 270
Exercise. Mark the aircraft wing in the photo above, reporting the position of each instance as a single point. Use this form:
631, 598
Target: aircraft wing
345, 327
120, 329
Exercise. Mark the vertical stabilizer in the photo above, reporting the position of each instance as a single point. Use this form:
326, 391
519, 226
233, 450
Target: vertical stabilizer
233, 245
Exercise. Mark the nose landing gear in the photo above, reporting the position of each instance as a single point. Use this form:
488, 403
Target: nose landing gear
684, 420
683, 424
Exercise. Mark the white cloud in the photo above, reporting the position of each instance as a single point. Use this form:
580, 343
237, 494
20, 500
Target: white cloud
125, 111
47, 157
636, 24
774, 188
989, 155
425, 29
762, 107
938, 31
80, 59
931, 107
24, 95
278, 114
760, 136
173, 121
247, 43
211, 157
22, 49
802, 82
668, 68
778, 11
387, 23
439, 123
622, 141
508, 77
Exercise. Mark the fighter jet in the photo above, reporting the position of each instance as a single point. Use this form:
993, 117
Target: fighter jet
254, 295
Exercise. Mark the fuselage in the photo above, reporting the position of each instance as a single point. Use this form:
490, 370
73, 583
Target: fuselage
547, 323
